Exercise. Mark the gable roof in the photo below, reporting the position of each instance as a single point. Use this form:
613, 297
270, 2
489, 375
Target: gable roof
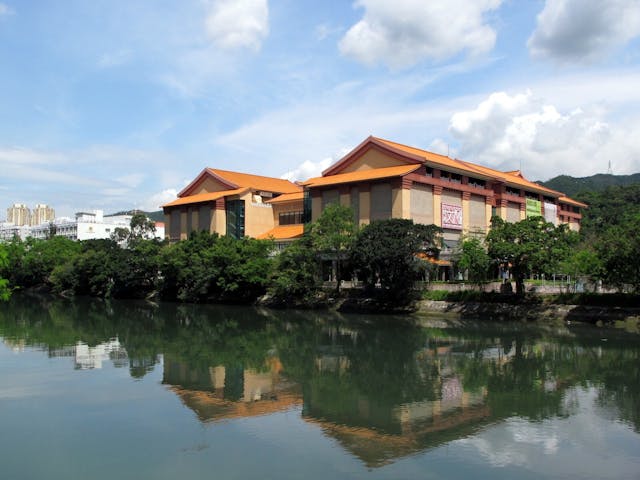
412, 155
235, 180
203, 197
287, 197
360, 175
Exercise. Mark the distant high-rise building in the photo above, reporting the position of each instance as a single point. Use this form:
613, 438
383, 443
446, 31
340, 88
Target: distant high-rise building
18, 214
42, 214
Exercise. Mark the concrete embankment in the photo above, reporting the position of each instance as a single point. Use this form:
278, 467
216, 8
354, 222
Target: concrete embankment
533, 312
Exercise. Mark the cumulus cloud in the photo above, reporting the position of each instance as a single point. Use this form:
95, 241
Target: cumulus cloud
508, 131
309, 169
156, 200
238, 23
573, 31
404, 32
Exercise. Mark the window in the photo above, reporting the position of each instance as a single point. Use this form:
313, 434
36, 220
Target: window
290, 218
476, 182
513, 191
235, 218
451, 177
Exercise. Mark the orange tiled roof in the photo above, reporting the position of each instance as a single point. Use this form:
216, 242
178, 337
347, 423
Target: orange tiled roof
203, 197
431, 157
257, 182
571, 201
287, 197
284, 232
513, 177
361, 175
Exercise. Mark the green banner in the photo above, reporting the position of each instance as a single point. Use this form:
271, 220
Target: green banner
534, 208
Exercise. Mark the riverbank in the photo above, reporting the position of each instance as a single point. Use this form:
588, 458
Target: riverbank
525, 311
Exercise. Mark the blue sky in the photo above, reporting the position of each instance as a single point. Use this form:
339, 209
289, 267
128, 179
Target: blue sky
119, 104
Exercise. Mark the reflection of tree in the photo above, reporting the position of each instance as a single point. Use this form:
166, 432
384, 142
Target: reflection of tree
379, 386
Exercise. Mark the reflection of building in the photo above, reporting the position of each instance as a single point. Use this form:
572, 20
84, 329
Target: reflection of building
220, 393
92, 357
89, 357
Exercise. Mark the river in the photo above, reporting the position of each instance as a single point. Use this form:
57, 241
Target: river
131, 390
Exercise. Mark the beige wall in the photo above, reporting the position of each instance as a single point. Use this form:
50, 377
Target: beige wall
365, 207
477, 213
279, 208
258, 217
209, 185
452, 197
400, 203
513, 212
316, 207
422, 204
372, 159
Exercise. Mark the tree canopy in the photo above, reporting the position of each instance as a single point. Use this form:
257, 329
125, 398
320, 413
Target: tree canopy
529, 246
386, 251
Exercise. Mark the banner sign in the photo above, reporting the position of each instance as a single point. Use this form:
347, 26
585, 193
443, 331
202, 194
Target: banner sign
534, 208
551, 213
451, 217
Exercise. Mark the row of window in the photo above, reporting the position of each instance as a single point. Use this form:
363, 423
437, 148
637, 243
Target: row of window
290, 218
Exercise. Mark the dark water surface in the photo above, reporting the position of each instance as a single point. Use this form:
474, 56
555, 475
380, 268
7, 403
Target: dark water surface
126, 390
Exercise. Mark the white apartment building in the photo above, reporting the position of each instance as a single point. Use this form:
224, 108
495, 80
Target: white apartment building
91, 225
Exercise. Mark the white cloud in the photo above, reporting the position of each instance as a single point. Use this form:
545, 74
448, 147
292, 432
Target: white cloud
309, 169
115, 59
571, 31
5, 9
238, 23
156, 200
404, 32
508, 131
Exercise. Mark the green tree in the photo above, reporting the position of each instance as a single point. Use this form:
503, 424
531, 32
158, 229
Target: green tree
386, 251
474, 259
619, 249
207, 267
5, 291
140, 228
332, 235
296, 272
529, 246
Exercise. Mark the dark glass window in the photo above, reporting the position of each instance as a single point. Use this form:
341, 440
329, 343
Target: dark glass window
290, 218
235, 218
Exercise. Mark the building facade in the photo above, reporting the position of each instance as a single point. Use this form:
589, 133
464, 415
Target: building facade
227, 203
379, 179
42, 213
18, 214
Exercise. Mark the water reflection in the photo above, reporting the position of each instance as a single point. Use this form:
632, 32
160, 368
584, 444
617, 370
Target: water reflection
382, 388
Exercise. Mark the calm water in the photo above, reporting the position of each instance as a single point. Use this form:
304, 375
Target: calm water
133, 391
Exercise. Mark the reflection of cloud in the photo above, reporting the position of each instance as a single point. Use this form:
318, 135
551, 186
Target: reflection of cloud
578, 446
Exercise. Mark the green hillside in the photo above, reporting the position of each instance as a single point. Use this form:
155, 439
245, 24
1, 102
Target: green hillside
571, 186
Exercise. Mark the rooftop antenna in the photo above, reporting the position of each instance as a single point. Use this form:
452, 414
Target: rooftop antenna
609, 169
